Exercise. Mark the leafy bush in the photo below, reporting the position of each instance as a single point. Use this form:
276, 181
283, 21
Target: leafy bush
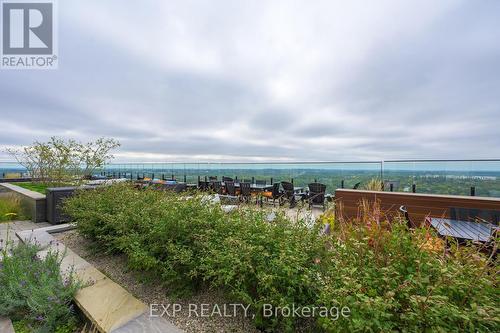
391, 278
191, 242
33, 293
10, 209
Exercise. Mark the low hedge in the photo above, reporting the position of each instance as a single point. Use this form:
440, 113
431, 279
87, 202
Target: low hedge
386, 275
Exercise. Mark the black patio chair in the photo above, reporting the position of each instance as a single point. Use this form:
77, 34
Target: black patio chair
230, 196
355, 187
289, 193
203, 185
245, 191
180, 187
227, 179
475, 215
216, 186
316, 195
212, 178
230, 188
275, 194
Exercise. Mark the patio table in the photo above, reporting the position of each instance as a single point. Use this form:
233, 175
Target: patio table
475, 231
254, 187
298, 189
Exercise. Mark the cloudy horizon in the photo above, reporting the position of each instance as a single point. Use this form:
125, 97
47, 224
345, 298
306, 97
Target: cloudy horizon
267, 81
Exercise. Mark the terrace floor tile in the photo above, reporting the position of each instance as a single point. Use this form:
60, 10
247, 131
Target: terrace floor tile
109, 305
147, 324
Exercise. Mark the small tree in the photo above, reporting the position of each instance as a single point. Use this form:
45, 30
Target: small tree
94, 155
62, 161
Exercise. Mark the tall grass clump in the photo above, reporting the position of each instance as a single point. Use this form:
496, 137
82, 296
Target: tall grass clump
391, 278
374, 184
10, 208
32, 291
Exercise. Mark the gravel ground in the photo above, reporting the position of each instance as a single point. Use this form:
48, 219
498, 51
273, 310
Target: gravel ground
115, 267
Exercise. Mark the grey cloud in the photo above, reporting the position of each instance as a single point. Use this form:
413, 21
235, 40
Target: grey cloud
269, 80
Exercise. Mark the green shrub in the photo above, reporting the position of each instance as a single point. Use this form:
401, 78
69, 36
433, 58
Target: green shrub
389, 277
191, 242
33, 293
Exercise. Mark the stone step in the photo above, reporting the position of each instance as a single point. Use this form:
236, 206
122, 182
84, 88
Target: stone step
106, 304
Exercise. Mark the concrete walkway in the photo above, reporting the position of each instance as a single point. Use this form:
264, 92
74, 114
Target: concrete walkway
105, 303
11, 228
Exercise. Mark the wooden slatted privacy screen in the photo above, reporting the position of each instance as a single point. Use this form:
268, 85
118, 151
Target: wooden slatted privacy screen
419, 205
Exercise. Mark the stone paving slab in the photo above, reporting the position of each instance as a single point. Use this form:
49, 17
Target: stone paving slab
6, 325
90, 275
11, 228
146, 324
109, 305
41, 238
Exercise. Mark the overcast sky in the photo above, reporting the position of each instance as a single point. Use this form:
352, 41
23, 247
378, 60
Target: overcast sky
267, 80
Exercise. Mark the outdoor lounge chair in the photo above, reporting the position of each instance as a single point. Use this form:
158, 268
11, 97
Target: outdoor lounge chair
230, 196
275, 194
216, 186
227, 179
475, 215
230, 188
245, 191
355, 187
203, 185
289, 193
316, 194
180, 187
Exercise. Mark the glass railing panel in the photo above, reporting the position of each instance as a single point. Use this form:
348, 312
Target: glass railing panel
480, 178
485, 178
344, 174
465, 177
12, 170
399, 176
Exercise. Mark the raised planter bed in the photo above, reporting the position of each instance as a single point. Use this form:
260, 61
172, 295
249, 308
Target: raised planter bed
33, 203
55, 199
41, 207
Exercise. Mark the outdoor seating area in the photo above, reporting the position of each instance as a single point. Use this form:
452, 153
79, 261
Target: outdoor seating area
258, 191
